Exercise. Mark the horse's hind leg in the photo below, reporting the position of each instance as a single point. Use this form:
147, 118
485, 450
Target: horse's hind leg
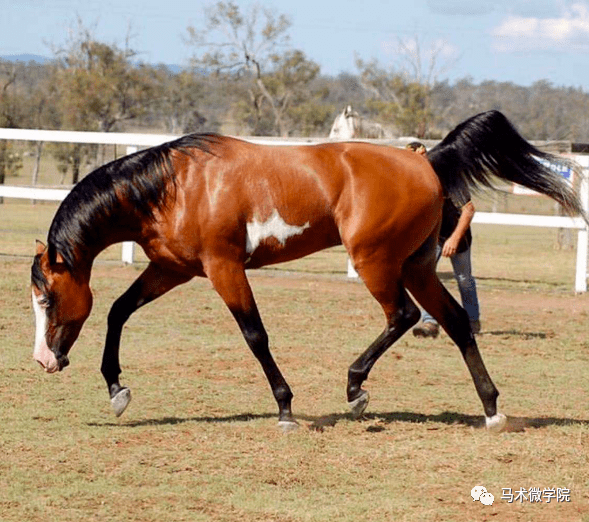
151, 284
230, 282
421, 280
401, 314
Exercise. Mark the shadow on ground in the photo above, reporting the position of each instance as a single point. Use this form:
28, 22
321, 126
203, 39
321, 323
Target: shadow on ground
379, 420
519, 333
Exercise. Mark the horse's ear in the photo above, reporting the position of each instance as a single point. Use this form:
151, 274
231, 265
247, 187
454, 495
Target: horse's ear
54, 256
40, 247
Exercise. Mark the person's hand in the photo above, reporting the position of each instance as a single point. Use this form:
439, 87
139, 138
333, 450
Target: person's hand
450, 247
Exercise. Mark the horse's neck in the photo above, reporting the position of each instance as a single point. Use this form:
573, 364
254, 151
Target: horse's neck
97, 232
117, 228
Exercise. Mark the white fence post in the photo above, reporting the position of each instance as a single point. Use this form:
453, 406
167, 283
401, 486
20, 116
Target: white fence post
128, 252
351, 270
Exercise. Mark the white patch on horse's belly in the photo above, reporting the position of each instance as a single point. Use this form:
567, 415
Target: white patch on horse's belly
274, 227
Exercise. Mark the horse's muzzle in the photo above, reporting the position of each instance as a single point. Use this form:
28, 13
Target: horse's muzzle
54, 364
62, 362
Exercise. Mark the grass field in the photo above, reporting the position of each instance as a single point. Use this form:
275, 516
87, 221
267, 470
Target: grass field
200, 443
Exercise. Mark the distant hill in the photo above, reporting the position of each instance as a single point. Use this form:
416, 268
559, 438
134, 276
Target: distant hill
37, 58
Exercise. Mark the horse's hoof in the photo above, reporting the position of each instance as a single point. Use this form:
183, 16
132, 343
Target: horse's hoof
288, 426
496, 423
359, 405
120, 401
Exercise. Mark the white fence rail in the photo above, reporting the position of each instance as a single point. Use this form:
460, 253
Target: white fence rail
123, 138
132, 141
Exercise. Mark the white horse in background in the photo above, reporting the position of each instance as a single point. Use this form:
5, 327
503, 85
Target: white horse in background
349, 125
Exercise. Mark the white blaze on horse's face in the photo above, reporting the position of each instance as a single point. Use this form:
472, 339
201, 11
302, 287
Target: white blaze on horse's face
61, 303
57, 329
42, 354
274, 226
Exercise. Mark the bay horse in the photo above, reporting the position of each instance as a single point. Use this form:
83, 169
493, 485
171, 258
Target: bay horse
214, 206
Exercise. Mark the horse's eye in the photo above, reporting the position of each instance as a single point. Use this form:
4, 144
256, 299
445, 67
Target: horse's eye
45, 300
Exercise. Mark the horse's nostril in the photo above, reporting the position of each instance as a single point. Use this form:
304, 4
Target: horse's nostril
63, 361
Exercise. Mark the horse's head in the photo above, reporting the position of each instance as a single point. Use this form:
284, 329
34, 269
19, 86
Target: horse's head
344, 126
62, 302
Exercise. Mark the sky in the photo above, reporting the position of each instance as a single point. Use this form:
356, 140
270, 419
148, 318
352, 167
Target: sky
519, 41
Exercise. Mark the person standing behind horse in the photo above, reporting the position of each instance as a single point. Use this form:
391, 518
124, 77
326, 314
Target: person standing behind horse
454, 242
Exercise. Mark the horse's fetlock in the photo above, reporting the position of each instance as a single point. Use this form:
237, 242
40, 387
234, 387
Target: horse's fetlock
357, 376
355, 379
283, 394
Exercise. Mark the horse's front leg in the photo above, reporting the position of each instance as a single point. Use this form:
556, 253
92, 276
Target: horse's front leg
151, 284
230, 282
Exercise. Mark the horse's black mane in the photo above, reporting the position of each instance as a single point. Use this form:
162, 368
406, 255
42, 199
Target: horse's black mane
143, 181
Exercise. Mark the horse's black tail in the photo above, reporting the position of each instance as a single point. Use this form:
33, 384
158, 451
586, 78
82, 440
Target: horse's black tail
488, 145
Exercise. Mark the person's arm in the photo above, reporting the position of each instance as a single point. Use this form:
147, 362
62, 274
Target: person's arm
451, 244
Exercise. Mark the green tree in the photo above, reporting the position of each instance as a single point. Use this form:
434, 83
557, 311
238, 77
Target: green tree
404, 92
238, 42
39, 107
99, 87
286, 93
180, 101
10, 160
314, 116
99, 84
247, 46
392, 97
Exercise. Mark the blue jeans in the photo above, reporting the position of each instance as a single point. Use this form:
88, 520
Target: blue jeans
466, 285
